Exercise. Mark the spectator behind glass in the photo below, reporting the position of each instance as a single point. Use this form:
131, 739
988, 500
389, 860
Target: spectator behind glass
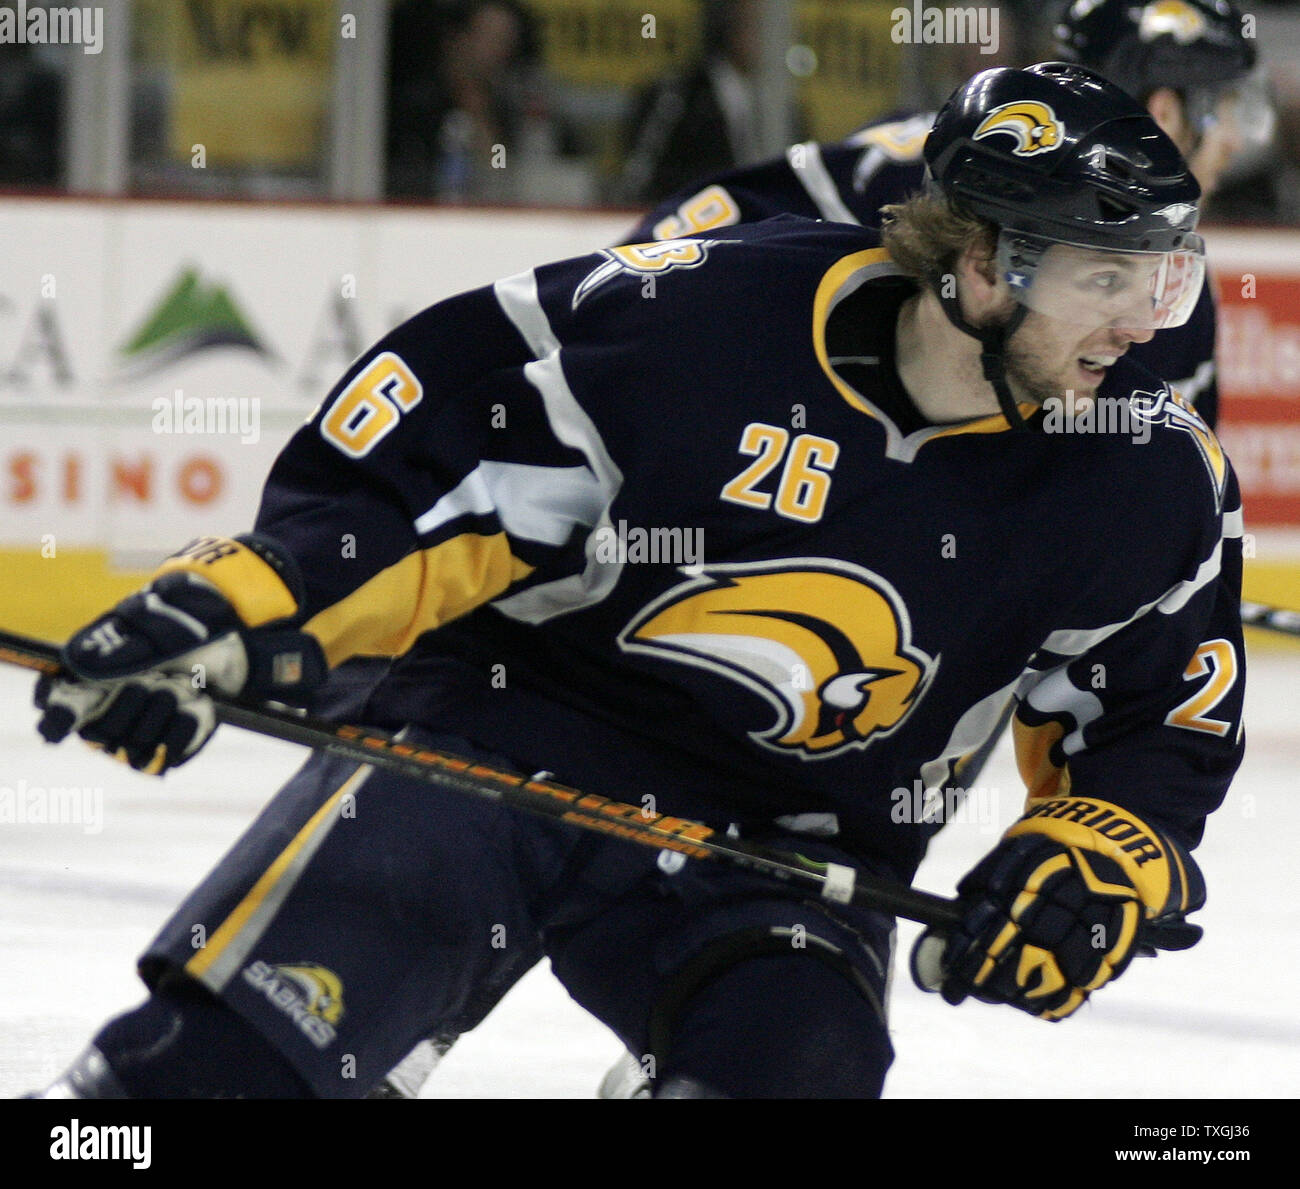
466, 109
1263, 185
31, 100
701, 120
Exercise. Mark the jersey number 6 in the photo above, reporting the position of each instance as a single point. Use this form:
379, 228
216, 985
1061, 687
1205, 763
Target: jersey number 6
369, 408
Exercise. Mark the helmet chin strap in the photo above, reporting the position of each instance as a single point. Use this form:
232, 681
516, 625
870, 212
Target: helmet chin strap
993, 341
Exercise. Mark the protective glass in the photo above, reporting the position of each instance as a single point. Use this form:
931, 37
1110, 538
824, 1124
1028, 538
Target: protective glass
1093, 288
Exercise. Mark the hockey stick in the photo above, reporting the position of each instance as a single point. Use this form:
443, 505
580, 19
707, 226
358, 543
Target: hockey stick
1275, 619
833, 881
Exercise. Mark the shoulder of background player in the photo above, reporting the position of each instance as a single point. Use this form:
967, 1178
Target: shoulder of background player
727, 319
692, 287
880, 164
1181, 350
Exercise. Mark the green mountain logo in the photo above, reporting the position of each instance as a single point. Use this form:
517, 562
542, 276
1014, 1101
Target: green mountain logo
192, 317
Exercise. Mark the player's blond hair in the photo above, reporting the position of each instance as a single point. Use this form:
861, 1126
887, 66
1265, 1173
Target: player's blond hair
926, 234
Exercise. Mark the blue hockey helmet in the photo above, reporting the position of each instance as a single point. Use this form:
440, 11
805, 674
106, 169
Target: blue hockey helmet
1056, 155
1069, 167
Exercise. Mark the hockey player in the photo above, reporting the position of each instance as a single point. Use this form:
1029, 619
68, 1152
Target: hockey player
1182, 60
823, 412
1185, 60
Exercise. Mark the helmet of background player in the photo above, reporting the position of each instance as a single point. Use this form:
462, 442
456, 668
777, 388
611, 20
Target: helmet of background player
1068, 166
1183, 44
1196, 48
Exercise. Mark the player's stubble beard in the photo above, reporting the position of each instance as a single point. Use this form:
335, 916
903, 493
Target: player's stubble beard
1030, 375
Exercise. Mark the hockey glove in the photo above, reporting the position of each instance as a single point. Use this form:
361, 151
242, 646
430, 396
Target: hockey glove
1059, 908
213, 620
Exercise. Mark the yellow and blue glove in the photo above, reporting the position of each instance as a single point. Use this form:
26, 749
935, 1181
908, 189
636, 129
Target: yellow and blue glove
1060, 906
216, 618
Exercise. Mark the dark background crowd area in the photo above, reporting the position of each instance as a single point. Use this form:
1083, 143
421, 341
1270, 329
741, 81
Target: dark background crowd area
543, 103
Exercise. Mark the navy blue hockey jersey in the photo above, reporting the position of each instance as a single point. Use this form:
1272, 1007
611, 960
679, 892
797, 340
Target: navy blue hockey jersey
663, 521
849, 181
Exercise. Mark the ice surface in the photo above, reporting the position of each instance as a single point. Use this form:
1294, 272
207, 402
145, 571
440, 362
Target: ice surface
78, 901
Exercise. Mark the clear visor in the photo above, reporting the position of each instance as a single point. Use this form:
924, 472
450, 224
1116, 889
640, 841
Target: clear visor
1093, 288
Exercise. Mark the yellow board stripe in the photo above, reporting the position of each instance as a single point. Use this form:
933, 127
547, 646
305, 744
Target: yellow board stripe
51, 597
1275, 583
427, 588
287, 862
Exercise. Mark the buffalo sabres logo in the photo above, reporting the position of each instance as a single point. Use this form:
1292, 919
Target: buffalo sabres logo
644, 260
321, 989
825, 642
1033, 125
1169, 407
1181, 21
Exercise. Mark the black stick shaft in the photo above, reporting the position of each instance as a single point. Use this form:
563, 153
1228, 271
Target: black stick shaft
548, 799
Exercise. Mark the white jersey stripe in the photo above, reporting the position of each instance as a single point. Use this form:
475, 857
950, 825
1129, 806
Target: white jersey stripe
1051, 691
808, 166
517, 297
569, 422
1076, 641
534, 503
